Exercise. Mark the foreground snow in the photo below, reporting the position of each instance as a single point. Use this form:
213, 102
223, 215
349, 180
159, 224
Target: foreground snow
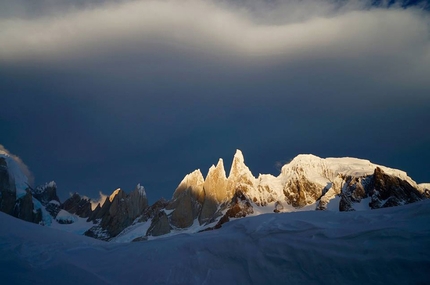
379, 247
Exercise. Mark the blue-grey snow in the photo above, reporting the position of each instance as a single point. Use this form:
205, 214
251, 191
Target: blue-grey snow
390, 245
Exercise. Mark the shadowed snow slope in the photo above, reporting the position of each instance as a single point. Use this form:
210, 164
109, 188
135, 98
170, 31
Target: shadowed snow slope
384, 246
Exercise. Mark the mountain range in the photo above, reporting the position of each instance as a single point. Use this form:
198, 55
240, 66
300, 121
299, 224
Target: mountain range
205, 203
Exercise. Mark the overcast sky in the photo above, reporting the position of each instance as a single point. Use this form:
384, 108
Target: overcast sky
98, 95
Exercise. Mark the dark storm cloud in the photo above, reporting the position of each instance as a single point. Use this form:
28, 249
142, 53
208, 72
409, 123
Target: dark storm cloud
106, 94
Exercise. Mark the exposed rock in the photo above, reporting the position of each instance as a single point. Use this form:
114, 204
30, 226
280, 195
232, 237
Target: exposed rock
353, 191
99, 212
215, 189
153, 210
24, 209
219, 189
118, 212
388, 191
240, 177
53, 208
265, 193
300, 191
278, 207
239, 207
20, 206
187, 200
65, 221
331, 190
46, 193
78, 205
345, 203
159, 225
7, 189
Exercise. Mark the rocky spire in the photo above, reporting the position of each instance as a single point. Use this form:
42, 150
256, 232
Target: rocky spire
215, 185
137, 201
215, 188
240, 177
118, 212
193, 184
187, 200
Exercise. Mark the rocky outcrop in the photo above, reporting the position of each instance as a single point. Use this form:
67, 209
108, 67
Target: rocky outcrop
187, 200
47, 195
153, 210
240, 177
239, 207
159, 225
379, 189
299, 191
353, 191
388, 191
205, 199
78, 205
24, 209
118, 212
16, 201
7, 189
215, 189
278, 207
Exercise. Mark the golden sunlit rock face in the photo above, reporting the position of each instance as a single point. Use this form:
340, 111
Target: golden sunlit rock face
215, 188
187, 200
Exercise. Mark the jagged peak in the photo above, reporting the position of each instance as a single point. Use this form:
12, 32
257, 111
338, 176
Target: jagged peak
114, 193
238, 156
219, 168
220, 164
193, 181
238, 166
195, 175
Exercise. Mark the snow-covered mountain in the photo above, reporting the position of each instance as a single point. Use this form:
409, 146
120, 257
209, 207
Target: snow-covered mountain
306, 183
204, 203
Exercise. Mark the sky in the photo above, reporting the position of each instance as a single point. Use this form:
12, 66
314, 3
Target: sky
99, 94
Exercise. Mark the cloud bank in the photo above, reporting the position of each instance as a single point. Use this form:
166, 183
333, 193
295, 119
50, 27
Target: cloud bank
218, 28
